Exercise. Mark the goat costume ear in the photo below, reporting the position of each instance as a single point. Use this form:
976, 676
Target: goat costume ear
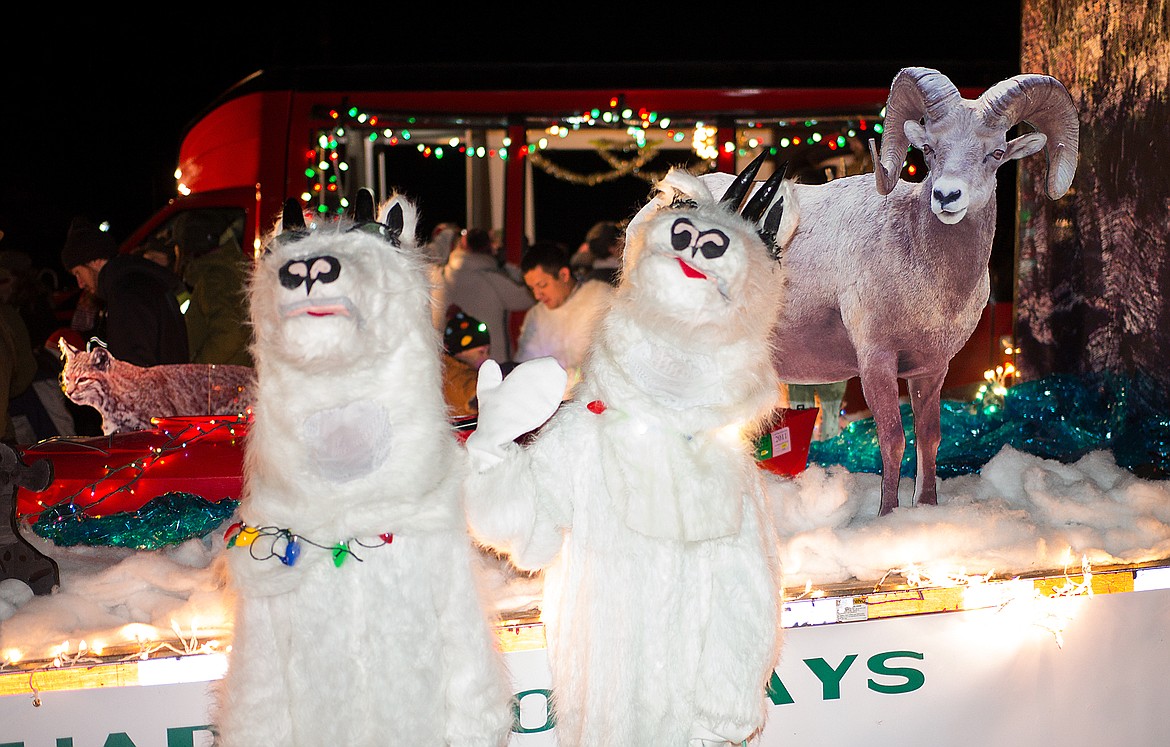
399, 221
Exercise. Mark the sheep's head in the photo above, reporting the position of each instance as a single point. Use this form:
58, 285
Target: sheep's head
341, 293
964, 141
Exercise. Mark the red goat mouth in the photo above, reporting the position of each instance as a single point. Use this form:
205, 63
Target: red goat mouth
339, 306
689, 271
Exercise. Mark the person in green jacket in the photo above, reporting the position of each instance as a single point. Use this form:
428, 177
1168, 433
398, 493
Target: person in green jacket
214, 267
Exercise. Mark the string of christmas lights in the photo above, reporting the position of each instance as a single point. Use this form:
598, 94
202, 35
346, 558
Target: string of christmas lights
286, 544
170, 517
138, 467
326, 164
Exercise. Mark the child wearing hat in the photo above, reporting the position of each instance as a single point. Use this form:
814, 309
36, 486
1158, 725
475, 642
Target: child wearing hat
467, 344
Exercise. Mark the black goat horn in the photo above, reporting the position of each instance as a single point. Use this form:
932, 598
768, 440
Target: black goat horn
758, 203
734, 194
363, 209
292, 219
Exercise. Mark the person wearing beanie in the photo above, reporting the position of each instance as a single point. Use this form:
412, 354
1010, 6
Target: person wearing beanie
142, 323
473, 281
467, 344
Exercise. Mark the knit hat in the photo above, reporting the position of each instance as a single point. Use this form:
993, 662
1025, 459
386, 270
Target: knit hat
464, 332
86, 242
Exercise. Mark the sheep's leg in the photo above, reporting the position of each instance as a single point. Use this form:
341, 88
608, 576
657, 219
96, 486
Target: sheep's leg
879, 384
924, 398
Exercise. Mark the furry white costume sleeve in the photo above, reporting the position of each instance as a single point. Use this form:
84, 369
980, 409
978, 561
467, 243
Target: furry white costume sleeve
359, 619
641, 498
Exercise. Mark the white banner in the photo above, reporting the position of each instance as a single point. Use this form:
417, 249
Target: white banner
1084, 670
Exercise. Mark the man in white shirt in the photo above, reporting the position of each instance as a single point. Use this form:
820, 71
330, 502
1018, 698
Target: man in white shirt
561, 323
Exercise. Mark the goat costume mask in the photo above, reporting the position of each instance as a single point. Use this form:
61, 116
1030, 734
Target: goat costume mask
893, 281
358, 619
641, 497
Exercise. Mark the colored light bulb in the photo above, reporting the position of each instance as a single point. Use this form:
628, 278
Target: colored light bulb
292, 551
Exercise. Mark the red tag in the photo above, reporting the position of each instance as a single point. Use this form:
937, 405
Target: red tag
387, 538
596, 407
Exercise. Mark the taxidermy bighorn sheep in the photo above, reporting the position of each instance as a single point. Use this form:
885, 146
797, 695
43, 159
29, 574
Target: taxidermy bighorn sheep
891, 283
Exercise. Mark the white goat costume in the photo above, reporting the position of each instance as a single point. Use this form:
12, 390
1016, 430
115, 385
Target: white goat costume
351, 454
641, 498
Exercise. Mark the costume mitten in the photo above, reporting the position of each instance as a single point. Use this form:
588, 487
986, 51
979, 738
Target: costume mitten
511, 407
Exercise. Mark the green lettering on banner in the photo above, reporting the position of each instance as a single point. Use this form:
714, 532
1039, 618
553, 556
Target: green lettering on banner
120, 739
914, 678
549, 720
830, 678
184, 736
777, 693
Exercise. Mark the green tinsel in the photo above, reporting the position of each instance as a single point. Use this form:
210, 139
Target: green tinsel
1061, 417
169, 519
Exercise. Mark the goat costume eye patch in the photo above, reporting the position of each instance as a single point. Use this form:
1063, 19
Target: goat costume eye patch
323, 269
685, 235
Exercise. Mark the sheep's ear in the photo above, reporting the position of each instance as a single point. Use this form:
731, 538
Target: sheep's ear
1025, 145
915, 133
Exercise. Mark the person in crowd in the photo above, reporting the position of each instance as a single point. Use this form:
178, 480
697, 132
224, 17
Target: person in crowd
156, 250
605, 243
444, 236
437, 251
142, 322
561, 323
42, 410
18, 367
467, 344
473, 281
500, 250
214, 268
30, 292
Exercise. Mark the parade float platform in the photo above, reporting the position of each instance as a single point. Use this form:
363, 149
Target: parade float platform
1031, 606
1072, 659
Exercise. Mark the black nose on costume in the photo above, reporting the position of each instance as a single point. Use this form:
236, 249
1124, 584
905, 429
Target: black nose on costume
324, 269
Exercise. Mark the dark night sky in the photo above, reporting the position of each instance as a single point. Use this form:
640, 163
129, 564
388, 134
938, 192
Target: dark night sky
95, 112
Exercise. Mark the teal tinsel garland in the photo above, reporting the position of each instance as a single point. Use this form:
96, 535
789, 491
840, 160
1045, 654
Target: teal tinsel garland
1060, 417
169, 519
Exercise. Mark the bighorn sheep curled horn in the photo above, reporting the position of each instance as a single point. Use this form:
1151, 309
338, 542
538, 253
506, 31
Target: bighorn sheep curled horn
880, 289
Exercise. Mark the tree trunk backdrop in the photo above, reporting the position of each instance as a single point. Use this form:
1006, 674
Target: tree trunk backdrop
1092, 267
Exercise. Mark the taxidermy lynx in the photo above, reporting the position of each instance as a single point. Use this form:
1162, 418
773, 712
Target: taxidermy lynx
128, 396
